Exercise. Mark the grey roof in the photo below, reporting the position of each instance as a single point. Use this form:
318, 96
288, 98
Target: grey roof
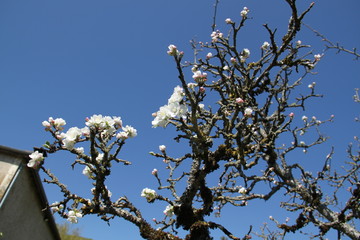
24, 155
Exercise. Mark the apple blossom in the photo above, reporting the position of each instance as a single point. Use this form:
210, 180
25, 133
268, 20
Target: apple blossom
73, 216
58, 123
244, 12
177, 95
80, 150
173, 109
216, 35
149, 194
265, 46
226, 68
172, 50
245, 53
35, 159
122, 135
70, 137
131, 132
317, 57
154, 172
162, 148
312, 85
242, 190
228, 21
46, 124
304, 118
291, 114
239, 100
87, 172
198, 76
248, 112
209, 55
100, 157
194, 68
169, 211
95, 121
192, 85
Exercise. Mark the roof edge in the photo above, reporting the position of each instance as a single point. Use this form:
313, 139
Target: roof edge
24, 155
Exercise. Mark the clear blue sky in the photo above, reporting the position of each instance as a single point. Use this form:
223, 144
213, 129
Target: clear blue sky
73, 59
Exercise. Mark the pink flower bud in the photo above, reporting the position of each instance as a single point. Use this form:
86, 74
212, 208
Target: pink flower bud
291, 115
202, 89
239, 100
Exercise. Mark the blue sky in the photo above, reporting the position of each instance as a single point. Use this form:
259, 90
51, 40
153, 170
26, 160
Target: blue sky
73, 59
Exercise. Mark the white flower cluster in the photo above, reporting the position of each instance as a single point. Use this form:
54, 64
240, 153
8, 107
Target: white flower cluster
242, 190
173, 109
73, 216
149, 194
244, 12
265, 46
199, 76
173, 50
57, 123
106, 125
72, 135
216, 35
35, 159
169, 211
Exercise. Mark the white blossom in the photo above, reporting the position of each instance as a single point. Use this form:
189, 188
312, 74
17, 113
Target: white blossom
70, 137
100, 157
131, 132
149, 194
46, 124
216, 35
169, 211
228, 21
317, 57
73, 216
244, 12
177, 95
58, 123
248, 112
122, 135
162, 148
35, 159
199, 76
265, 46
244, 54
87, 172
192, 85
172, 110
172, 50
80, 150
242, 190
